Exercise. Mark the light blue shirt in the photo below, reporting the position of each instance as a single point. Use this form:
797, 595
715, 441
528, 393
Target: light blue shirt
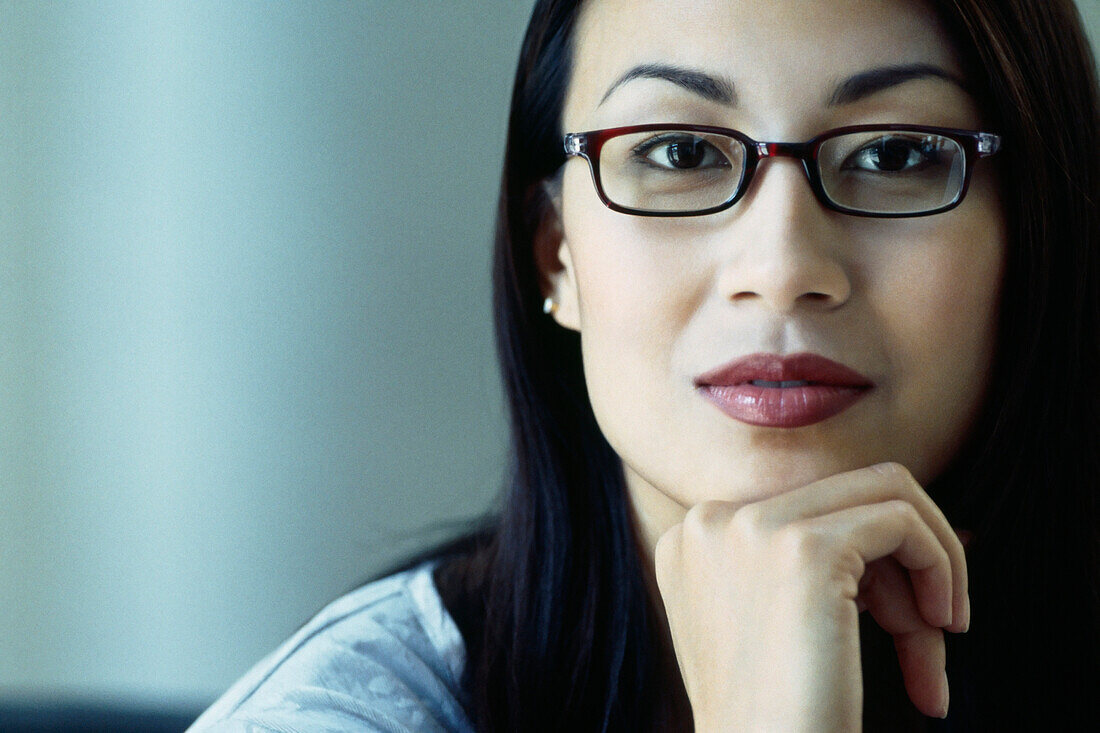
385, 657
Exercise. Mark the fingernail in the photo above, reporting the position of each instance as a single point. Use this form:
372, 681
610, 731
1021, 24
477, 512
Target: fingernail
946, 699
966, 612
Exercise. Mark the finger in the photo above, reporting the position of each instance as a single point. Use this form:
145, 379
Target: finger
894, 529
668, 573
666, 556
869, 485
886, 591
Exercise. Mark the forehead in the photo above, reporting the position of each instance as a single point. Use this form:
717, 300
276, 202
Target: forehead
782, 56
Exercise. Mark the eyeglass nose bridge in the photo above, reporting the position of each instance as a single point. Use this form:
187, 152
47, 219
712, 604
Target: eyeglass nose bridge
805, 152
802, 151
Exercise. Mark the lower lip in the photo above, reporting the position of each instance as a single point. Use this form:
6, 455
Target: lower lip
781, 407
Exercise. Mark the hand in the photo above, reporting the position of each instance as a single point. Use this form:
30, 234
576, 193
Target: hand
763, 600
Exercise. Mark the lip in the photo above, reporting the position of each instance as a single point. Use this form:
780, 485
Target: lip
831, 388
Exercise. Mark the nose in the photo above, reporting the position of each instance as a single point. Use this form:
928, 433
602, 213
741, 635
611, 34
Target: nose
784, 249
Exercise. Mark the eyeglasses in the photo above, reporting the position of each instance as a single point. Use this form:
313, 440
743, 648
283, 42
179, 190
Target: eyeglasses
866, 170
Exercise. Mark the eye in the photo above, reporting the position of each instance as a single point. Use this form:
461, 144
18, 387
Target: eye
680, 151
894, 154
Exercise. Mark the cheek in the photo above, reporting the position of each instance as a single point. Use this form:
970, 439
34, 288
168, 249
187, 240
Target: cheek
636, 285
637, 289
942, 308
939, 308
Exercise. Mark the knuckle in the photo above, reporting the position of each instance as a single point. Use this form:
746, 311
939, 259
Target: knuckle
705, 517
957, 548
696, 526
702, 513
668, 545
897, 475
900, 482
748, 521
851, 566
801, 541
890, 468
903, 510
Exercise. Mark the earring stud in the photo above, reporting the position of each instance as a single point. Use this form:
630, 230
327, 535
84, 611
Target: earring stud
549, 307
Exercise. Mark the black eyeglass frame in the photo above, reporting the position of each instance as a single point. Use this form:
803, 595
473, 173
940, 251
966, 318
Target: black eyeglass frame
974, 144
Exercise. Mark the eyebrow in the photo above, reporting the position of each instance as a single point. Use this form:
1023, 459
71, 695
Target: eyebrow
866, 83
723, 91
706, 86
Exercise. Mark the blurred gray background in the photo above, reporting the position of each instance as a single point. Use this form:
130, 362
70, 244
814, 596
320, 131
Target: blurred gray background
245, 345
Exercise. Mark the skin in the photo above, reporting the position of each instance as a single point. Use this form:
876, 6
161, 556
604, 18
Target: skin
767, 542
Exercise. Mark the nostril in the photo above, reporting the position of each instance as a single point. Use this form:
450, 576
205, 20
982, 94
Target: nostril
812, 296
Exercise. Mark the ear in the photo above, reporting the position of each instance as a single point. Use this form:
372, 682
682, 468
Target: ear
557, 278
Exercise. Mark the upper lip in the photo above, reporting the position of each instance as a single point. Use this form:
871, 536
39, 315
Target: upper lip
807, 367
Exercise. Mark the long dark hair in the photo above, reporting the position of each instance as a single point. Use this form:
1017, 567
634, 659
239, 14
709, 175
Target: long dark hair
551, 597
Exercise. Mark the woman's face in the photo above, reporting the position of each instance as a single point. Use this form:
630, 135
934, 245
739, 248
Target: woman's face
660, 303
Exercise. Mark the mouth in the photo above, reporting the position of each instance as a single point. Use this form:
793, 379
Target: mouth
769, 390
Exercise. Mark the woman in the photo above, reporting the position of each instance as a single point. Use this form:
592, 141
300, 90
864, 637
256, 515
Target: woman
759, 387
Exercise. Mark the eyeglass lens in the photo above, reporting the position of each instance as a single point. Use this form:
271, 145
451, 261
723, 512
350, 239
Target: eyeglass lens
877, 172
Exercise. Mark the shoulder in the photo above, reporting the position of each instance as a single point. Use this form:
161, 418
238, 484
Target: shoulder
385, 657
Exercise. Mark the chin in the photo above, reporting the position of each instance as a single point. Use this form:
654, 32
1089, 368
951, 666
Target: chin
768, 476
